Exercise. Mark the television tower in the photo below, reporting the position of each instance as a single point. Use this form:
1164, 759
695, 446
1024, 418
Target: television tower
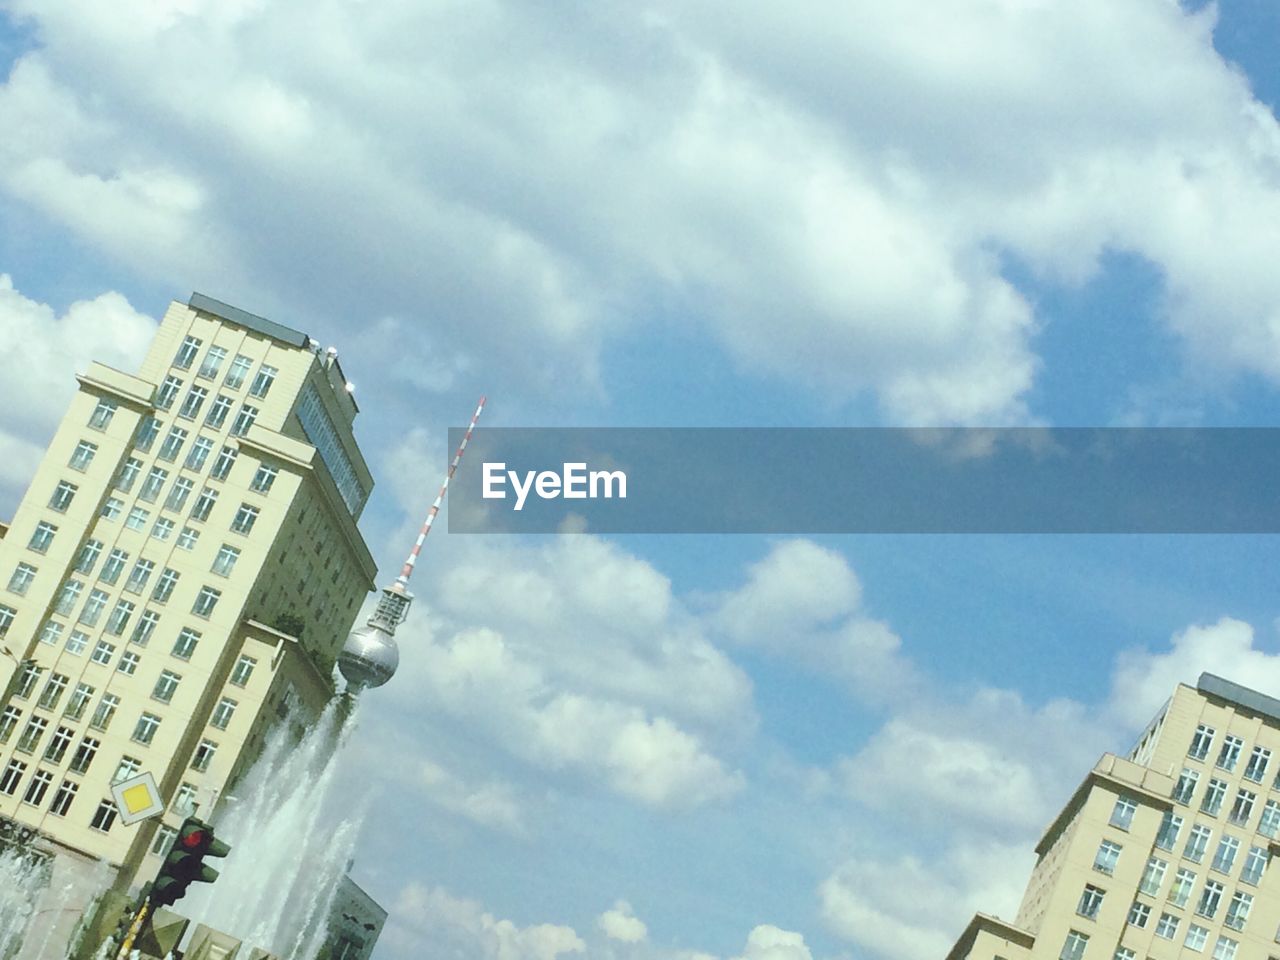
370, 656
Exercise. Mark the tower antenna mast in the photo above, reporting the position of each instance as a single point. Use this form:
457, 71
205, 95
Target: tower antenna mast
370, 656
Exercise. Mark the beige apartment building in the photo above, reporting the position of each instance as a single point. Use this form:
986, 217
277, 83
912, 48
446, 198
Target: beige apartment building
1164, 853
181, 574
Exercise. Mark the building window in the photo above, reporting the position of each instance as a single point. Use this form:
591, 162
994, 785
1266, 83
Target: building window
103, 653
43, 536
147, 433
163, 529
12, 777
1073, 948
322, 434
93, 609
138, 518
59, 744
218, 412
187, 353
164, 586
88, 556
1197, 843
222, 466
154, 483
245, 518
53, 690
62, 799
84, 755
1139, 914
127, 767
168, 392
1242, 808
212, 363
244, 420
1210, 897
199, 453
1153, 876
1255, 864
128, 474
79, 700
1167, 926
1238, 910
190, 408
172, 445
6, 618
1121, 814
119, 618
1201, 743
139, 576
9, 722
63, 494
204, 504
38, 787
26, 681
1124, 953
128, 664
185, 645
82, 456
262, 382
101, 718
144, 730
223, 713
1213, 797
203, 756
112, 507
1225, 949
1167, 836
1107, 857
184, 801
51, 632
225, 562
243, 670
187, 539
182, 488
206, 600
30, 738
264, 478
145, 628
1225, 858
1090, 902
239, 371
1230, 753
166, 686
114, 566
163, 840
102, 414
68, 597
77, 642
21, 579
104, 816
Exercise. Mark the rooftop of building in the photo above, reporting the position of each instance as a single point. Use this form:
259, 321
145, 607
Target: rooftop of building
1214, 686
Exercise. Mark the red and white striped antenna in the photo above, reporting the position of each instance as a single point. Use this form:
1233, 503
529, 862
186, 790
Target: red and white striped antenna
406, 571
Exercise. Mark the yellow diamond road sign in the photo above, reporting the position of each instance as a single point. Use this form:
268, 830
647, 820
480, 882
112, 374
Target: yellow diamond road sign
137, 798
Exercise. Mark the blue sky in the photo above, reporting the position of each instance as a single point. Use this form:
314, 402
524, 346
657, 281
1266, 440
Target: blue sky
977, 213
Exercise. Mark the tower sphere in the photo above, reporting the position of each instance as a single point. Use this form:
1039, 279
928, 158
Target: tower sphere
370, 656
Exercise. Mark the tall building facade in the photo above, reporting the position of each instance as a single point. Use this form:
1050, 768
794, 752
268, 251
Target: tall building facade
179, 576
1163, 853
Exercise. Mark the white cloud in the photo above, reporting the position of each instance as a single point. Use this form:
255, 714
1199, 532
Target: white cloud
492, 803
620, 923
833, 205
43, 353
463, 929
767, 942
802, 601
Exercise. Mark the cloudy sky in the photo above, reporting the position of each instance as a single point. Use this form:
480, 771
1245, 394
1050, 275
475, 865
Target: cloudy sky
990, 212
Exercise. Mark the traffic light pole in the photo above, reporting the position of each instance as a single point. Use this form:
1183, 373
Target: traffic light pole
138, 924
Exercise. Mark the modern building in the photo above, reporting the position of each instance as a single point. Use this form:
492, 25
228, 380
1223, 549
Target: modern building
355, 923
179, 577
1163, 853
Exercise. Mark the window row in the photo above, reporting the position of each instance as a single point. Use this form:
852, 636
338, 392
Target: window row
1229, 754
237, 373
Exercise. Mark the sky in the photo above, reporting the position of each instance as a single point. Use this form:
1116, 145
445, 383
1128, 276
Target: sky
971, 213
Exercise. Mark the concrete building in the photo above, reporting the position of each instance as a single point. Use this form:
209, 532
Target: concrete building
180, 575
1163, 853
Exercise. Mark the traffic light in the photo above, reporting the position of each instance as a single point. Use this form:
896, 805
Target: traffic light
184, 863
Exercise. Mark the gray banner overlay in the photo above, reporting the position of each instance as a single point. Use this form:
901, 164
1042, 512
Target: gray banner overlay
867, 480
